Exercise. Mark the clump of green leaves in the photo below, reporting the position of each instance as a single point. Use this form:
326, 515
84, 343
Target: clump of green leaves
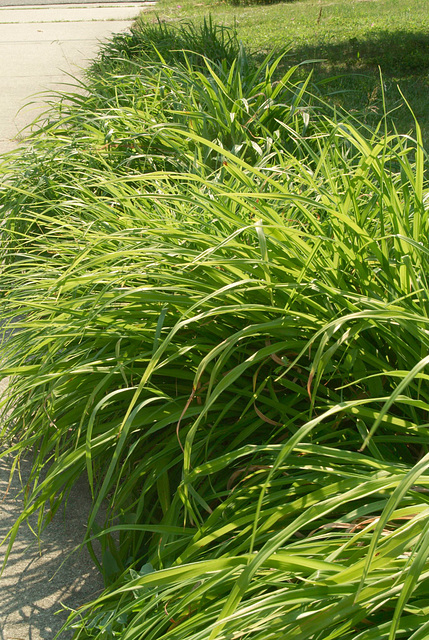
172, 43
219, 290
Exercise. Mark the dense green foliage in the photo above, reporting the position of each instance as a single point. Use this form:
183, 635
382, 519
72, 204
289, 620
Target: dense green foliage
219, 292
350, 40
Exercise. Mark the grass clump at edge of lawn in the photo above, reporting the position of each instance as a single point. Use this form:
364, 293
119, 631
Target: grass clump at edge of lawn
350, 39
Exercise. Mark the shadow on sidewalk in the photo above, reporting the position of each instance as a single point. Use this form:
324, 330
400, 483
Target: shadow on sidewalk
34, 585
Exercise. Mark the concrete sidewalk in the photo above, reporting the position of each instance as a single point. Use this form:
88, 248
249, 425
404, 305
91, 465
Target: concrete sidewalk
43, 578
40, 47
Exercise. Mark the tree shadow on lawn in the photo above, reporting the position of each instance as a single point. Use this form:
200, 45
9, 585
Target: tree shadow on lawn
399, 53
349, 74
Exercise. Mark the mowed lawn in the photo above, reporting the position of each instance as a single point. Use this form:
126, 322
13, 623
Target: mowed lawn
353, 40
